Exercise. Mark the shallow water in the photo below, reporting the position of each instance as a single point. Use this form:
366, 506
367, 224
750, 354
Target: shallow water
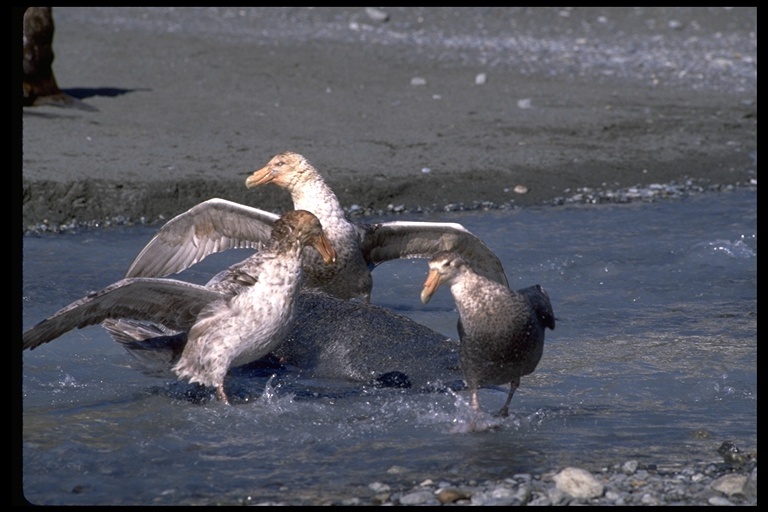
653, 358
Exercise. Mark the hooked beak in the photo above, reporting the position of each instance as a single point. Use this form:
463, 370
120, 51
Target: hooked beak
326, 250
260, 177
430, 285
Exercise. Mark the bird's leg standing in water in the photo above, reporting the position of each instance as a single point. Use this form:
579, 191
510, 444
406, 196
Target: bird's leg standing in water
221, 395
504, 411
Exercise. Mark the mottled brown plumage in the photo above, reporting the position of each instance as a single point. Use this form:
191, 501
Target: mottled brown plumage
241, 315
501, 331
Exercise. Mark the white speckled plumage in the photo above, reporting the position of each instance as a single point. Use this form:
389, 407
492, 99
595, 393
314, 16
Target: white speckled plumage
241, 315
501, 331
360, 247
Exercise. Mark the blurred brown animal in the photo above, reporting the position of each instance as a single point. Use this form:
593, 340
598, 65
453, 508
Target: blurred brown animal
39, 84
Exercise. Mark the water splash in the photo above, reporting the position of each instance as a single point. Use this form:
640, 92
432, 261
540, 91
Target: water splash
737, 249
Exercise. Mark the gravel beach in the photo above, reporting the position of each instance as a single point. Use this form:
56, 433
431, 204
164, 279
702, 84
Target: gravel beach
401, 108
623, 484
407, 109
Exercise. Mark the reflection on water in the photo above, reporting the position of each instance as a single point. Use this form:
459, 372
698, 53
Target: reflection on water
653, 358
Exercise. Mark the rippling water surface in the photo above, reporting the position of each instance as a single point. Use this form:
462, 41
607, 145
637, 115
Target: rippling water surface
653, 359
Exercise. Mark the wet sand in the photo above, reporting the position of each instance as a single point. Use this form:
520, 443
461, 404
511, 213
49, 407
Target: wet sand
393, 108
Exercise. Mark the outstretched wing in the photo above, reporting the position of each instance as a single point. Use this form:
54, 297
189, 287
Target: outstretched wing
402, 239
172, 303
209, 227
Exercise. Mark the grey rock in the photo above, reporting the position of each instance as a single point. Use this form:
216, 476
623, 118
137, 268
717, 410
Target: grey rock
730, 484
629, 467
578, 483
376, 14
419, 498
719, 501
750, 486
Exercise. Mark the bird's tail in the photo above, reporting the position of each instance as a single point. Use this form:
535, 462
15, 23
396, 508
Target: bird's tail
539, 298
155, 347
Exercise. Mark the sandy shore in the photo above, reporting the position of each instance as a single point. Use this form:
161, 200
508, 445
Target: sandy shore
406, 106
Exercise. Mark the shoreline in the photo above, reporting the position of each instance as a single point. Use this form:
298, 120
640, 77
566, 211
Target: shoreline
421, 109
727, 483
585, 195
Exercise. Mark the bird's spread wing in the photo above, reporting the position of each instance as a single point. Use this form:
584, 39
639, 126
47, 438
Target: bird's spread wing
209, 227
172, 303
401, 239
233, 279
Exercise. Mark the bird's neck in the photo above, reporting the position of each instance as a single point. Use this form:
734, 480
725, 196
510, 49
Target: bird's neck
473, 292
317, 197
283, 267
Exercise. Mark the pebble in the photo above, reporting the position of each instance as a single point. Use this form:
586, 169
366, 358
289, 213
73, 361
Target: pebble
377, 14
583, 195
578, 483
524, 103
451, 495
419, 498
719, 484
